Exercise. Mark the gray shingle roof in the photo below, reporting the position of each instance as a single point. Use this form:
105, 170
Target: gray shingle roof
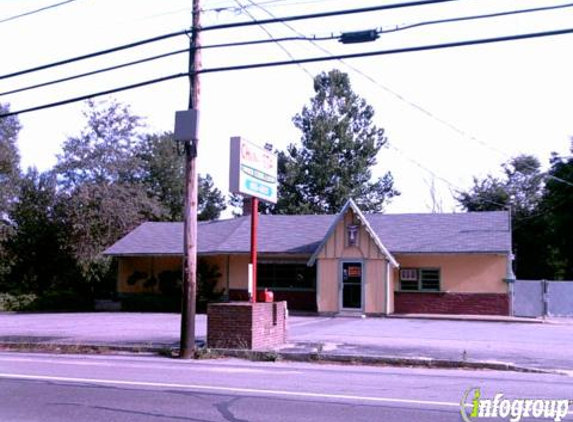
478, 232
443, 233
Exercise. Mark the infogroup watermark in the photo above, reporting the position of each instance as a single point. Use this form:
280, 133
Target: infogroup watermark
474, 406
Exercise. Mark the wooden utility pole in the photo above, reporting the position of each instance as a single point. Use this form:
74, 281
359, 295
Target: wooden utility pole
187, 345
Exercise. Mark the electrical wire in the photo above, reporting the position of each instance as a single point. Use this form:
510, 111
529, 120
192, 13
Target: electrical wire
96, 54
236, 8
95, 72
32, 12
302, 37
227, 26
312, 60
420, 48
324, 50
324, 14
474, 17
281, 20
418, 107
282, 47
96, 94
452, 186
269, 3
267, 41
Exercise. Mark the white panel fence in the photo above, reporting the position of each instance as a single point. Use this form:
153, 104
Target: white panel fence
535, 298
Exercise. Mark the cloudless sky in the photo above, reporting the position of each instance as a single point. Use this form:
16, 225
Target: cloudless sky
449, 114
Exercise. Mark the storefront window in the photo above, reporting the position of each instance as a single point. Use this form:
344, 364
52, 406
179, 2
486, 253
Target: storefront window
286, 276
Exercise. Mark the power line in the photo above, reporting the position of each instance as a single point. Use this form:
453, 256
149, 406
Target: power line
418, 107
267, 41
474, 17
269, 3
31, 12
312, 60
452, 186
410, 102
324, 14
237, 8
429, 47
418, 164
96, 54
95, 72
96, 94
227, 26
282, 47
281, 20
302, 37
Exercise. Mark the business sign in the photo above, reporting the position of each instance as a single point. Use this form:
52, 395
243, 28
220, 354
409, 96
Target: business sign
253, 170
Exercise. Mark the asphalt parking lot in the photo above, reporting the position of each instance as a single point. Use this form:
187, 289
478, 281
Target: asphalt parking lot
528, 344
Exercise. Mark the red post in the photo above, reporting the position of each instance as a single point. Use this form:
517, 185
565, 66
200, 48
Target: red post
254, 224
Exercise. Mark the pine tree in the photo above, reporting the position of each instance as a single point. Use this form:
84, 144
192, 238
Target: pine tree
339, 147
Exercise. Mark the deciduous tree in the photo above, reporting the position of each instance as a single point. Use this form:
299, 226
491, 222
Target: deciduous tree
164, 175
41, 259
520, 189
557, 208
101, 188
211, 202
9, 175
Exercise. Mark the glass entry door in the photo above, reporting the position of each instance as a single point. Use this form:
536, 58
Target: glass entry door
351, 285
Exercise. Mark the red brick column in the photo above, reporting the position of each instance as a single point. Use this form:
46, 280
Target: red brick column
245, 325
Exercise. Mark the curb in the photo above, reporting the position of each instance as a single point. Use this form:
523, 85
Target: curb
273, 356
469, 318
80, 348
377, 360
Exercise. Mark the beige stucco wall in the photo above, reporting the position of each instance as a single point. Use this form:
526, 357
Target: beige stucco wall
475, 273
366, 251
128, 265
157, 264
374, 282
239, 271
336, 246
221, 262
327, 288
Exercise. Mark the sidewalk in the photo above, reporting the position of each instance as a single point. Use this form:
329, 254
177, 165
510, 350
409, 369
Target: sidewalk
420, 339
488, 318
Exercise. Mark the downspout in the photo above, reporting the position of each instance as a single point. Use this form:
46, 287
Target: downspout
228, 292
387, 285
509, 274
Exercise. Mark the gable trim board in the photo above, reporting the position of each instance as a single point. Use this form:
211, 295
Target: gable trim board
386, 242
350, 204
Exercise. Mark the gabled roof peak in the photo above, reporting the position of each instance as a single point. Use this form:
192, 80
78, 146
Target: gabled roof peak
351, 205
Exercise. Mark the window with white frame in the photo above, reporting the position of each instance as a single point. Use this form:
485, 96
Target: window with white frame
420, 279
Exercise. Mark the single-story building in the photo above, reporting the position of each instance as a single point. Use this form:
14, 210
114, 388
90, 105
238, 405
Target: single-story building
376, 264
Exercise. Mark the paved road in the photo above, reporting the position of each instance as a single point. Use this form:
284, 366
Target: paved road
96, 388
545, 346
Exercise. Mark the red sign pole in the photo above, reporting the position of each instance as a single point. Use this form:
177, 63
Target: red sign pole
254, 224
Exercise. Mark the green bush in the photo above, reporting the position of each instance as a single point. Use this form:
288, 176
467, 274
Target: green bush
148, 302
62, 300
16, 302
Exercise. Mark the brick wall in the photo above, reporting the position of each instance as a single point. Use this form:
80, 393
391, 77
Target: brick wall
244, 325
451, 303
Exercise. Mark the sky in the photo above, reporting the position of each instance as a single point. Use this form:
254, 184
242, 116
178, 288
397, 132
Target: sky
449, 115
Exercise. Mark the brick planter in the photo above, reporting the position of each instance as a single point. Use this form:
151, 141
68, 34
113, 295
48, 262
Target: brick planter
245, 325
